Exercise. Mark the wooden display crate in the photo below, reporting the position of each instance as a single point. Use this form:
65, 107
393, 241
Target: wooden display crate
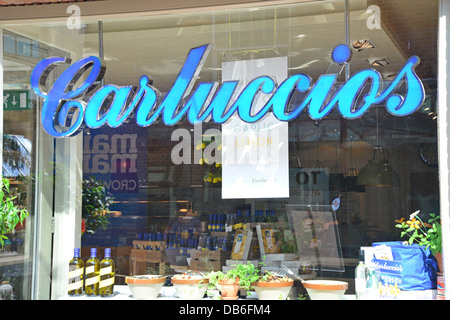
139, 260
208, 260
154, 256
149, 245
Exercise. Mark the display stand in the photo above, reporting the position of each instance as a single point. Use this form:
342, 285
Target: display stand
317, 236
269, 259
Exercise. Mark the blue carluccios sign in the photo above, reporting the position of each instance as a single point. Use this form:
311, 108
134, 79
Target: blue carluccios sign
65, 111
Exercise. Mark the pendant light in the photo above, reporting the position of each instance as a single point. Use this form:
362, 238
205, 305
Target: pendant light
352, 174
337, 180
378, 172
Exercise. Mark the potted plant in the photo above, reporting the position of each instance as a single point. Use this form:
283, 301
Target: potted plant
425, 268
10, 213
213, 279
425, 234
240, 276
273, 286
95, 205
226, 283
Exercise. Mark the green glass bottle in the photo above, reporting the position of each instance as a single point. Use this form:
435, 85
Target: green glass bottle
92, 274
107, 275
75, 276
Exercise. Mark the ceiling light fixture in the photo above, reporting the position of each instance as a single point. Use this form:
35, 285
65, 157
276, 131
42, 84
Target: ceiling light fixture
378, 172
378, 62
360, 45
390, 76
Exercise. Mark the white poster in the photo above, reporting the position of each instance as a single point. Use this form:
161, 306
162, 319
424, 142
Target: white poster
255, 156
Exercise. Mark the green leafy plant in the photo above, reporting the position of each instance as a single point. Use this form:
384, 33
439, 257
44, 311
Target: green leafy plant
95, 205
246, 274
10, 213
426, 234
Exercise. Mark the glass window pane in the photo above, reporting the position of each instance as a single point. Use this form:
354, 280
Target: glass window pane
163, 205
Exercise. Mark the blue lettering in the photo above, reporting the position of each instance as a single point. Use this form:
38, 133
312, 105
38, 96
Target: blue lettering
403, 106
199, 100
222, 101
318, 96
63, 109
113, 99
280, 100
58, 101
149, 97
351, 90
183, 85
246, 99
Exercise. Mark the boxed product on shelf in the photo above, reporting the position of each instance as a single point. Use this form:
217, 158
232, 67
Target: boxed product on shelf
241, 244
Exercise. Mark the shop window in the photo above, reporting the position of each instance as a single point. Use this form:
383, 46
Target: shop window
166, 205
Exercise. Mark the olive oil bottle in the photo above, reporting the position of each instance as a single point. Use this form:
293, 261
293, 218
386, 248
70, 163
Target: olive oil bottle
92, 274
75, 275
107, 276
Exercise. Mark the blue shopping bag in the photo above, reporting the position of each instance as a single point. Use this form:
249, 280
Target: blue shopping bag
413, 267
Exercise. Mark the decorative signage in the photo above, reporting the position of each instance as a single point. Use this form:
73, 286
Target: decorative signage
111, 155
255, 156
309, 185
64, 112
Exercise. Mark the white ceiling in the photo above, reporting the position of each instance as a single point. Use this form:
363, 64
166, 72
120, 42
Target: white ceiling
306, 33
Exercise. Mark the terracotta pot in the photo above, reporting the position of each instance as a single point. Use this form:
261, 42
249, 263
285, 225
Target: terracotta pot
325, 289
273, 290
145, 287
229, 298
438, 257
229, 288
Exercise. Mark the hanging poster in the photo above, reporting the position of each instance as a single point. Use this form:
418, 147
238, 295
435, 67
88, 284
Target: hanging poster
255, 155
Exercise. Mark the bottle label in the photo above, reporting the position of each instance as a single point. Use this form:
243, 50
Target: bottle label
237, 247
75, 285
93, 280
106, 270
90, 269
75, 273
106, 282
